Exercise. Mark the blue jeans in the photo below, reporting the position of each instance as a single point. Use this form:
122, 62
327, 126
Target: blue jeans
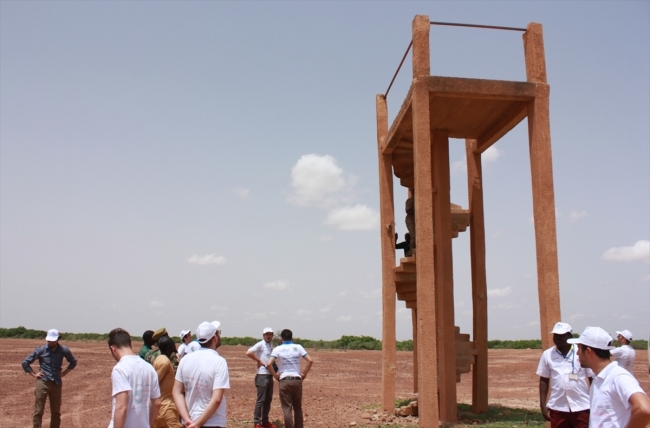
264, 385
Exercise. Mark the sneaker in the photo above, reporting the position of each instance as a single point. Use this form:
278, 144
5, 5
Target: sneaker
268, 425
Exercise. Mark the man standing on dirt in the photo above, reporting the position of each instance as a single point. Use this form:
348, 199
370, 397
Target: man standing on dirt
260, 353
48, 379
616, 398
201, 379
559, 366
290, 376
136, 394
625, 354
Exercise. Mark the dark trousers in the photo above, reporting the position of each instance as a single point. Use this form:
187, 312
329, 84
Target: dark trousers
264, 385
43, 390
291, 399
569, 419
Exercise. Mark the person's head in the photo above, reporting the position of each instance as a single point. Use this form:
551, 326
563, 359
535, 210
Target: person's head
267, 334
52, 338
167, 346
158, 334
119, 342
593, 347
186, 336
407, 237
561, 333
286, 335
624, 337
147, 338
209, 335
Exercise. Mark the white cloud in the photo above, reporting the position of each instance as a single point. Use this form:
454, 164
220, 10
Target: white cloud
343, 293
302, 312
533, 323
491, 154
318, 181
577, 316
344, 318
209, 259
358, 217
326, 238
217, 308
458, 166
156, 304
327, 309
575, 215
374, 294
277, 285
242, 192
499, 292
638, 252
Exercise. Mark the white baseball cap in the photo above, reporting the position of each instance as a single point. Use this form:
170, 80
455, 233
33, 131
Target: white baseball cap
184, 333
626, 334
267, 330
52, 335
205, 331
594, 337
217, 325
562, 328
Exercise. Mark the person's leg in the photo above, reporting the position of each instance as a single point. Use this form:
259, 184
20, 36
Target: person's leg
54, 392
40, 395
286, 401
580, 419
297, 403
260, 385
268, 397
560, 419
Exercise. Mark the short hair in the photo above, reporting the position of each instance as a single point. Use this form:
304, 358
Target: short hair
603, 354
286, 334
119, 338
166, 345
147, 337
206, 344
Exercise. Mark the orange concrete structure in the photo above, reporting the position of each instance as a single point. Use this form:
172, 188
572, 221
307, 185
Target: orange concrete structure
415, 149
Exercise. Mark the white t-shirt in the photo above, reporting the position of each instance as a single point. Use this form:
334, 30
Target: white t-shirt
568, 394
288, 356
262, 350
624, 356
202, 372
135, 375
610, 397
188, 348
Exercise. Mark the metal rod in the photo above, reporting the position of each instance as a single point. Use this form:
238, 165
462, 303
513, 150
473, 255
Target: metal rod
398, 68
492, 27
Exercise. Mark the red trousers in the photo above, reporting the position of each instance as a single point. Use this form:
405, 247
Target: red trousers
569, 419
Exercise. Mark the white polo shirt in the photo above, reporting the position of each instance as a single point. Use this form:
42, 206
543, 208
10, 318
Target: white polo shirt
624, 355
288, 355
568, 394
188, 348
610, 397
262, 350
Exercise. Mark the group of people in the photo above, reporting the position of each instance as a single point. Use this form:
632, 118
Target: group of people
163, 386
580, 386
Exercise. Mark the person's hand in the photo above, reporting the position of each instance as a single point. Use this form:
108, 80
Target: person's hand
303, 376
277, 376
38, 375
190, 424
63, 373
545, 413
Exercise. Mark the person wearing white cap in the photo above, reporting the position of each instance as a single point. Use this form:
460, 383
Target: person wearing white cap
201, 379
48, 378
260, 353
559, 366
188, 346
625, 354
616, 398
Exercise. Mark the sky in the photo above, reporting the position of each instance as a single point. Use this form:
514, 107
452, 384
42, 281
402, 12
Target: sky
167, 163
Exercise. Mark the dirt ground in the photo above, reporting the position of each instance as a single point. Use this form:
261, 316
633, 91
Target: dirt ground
341, 386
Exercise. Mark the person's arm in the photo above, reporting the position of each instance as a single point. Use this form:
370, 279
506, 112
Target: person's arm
154, 409
543, 395
213, 405
29, 360
178, 394
253, 356
121, 406
72, 361
310, 361
640, 406
269, 367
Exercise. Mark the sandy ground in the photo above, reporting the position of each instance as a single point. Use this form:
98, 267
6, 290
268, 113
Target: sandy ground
341, 386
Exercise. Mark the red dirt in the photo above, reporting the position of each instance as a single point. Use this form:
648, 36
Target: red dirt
341, 386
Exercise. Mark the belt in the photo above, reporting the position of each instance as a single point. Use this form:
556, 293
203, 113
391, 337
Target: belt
291, 378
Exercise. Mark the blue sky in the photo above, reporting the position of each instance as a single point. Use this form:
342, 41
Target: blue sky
165, 163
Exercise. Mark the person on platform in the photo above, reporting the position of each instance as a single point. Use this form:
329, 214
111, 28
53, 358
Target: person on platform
188, 346
616, 399
410, 223
168, 416
136, 394
559, 368
148, 343
260, 353
48, 378
404, 245
625, 354
288, 356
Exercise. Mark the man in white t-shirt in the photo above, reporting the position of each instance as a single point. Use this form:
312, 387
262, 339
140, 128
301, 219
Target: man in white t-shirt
288, 356
136, 394
260, 353
625, 354
559, 367
201, 379
188, 346
616, 398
